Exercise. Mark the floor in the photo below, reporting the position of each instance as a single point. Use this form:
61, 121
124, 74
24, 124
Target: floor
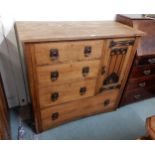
126, 123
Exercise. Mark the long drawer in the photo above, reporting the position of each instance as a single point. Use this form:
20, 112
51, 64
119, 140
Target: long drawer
60, 73
54, 116
145, 60
59, 94
58, 52
142, 71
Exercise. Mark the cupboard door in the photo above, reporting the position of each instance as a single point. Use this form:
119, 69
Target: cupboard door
115, 62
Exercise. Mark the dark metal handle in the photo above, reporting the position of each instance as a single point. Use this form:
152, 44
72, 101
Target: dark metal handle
54, 75
122, 43
106, 102
87, 51
117, 51
151, 60
112, 78
54, 96
109, 88
85, 71
55, 116
138, 96
147, 72
142, 84
54, 54
83, 90
103, 70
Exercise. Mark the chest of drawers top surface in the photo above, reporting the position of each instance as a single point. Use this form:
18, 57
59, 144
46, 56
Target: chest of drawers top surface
57, 31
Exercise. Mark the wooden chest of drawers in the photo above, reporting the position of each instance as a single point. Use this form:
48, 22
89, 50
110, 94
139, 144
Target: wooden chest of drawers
4, 118
75, 69
141, 83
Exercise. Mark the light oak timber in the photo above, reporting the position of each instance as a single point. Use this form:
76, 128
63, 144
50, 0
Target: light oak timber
79, 108
68, 51
67, 72
55, 31
58, 98
67, 92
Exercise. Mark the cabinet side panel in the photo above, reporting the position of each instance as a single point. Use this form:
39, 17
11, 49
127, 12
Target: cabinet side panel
30, 62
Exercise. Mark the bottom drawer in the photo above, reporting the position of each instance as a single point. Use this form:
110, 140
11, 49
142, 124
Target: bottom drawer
59, 114
137, 95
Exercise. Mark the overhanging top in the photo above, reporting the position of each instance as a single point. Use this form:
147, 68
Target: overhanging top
59, 31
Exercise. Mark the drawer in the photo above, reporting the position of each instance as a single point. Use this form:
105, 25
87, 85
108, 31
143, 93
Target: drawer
142, 82
145, 60
57, 52
57, 115
142, 71
57, 94
138, 94
60, 73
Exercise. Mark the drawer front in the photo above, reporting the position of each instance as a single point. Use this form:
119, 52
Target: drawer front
142, 82
138, 94
57, 52
60, 73
145, 60
57, 115
142, 71
59, 94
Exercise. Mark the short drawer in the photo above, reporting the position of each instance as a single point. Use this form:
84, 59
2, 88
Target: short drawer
145, 60
143, 71
138, 94
57, 52
142, 82
58, 94
60, 73
57, 115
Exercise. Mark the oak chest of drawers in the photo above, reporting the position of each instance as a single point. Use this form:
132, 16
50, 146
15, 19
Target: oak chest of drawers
141, 82
4, 117
75, 69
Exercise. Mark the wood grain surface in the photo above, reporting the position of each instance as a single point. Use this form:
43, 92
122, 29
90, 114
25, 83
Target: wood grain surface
58, 31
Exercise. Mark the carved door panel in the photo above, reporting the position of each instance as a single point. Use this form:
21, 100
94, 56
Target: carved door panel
114, 63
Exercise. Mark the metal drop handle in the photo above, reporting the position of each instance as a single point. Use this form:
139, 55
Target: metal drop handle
54, 96
85, 71
87, 51
151, 60
54, 75
138, 96
54, 54
106, 102
55, 116
83, 90
142, 84
147, 72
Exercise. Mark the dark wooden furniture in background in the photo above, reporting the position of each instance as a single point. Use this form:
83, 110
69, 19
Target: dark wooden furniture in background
76, 69
4, 118
141, 82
